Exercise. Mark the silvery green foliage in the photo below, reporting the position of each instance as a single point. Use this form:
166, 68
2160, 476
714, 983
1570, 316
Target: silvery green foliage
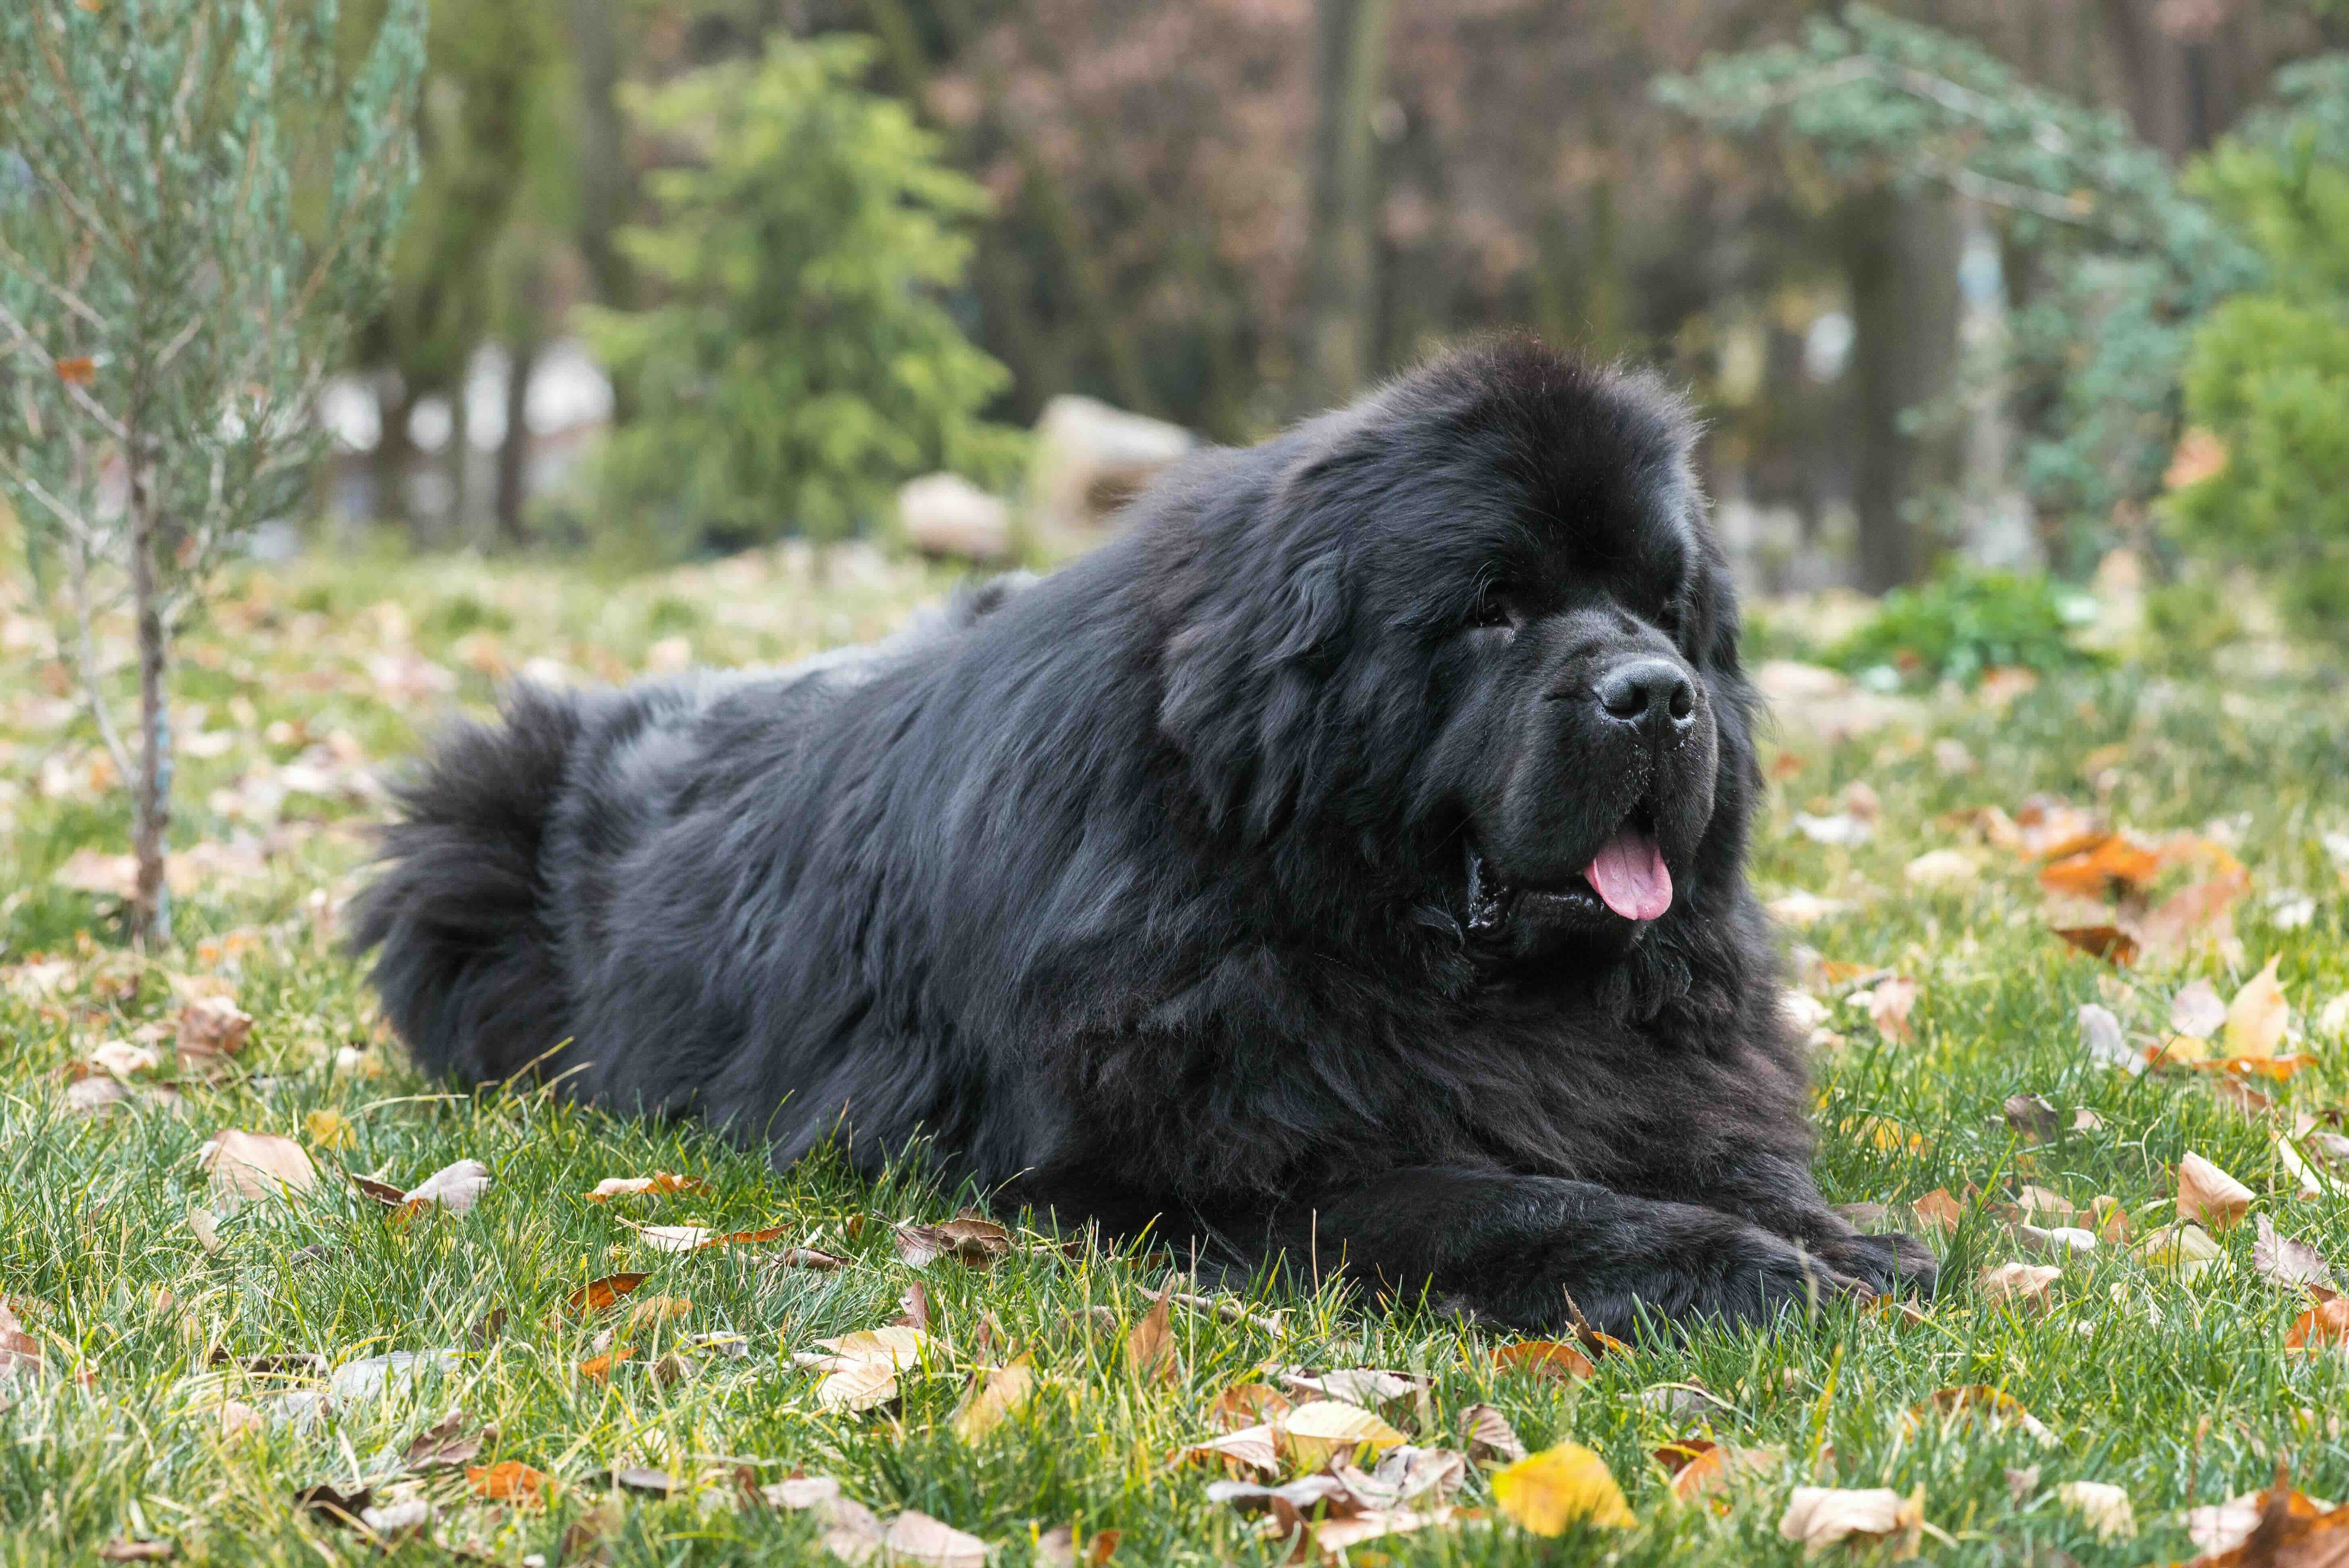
2130, 260
196, 202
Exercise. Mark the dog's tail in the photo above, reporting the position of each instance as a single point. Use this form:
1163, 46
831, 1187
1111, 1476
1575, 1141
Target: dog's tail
466, 964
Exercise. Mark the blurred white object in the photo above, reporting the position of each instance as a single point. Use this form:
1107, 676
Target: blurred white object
945, 514
1091, 459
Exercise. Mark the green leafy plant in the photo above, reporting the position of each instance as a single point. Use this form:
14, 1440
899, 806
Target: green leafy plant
804, 361
1965, 621
196, 203
2264, 479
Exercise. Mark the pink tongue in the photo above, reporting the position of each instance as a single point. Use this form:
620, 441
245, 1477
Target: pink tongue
1631, 876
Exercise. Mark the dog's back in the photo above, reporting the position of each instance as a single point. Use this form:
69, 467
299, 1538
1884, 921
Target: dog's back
474, 923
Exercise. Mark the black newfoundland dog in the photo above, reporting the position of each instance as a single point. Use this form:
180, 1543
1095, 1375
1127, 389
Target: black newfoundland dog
1344, 867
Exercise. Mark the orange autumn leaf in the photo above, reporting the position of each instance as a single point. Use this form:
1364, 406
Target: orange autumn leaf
510, 1480
600, 1367
652, 1186
1544, 1358
2208, 1195
2109, 943
597, 1294
2258, 1015
2109, 863
80, 370
1939, 1207
2324, 1325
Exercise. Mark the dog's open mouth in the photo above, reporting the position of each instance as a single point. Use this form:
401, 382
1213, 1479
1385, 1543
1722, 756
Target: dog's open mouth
1627, 879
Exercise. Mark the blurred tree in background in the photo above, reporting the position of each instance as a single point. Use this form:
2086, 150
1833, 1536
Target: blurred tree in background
798, 367
1875, 247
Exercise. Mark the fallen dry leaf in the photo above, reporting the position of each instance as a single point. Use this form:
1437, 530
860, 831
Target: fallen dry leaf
597, 1294
1245, 1405
130, 1550
862, 1368
206, 1225
653, 1186
1940, 869
1549, 1359
1405, 1476
1320, 1429
327, 1129
78, 369
2210, 1195
968, 1238
2024, 1285
1702, 1467
510, 1480
1821, 1516
239, 1420
123, 1059
336, 1505
2106, 1045
2186, 1247
2258, 1016
1486, 1434
456, 1188
2103, 1507
1150, 1348
996, 1395
2278, 1528
2032, 1115
917, 1538
1561, 1487
2109, 943
657, 1309
2282, 1261
599, 1367
2197, 1010
1889, 1002
1975, 1403
447, 1443
1060, 1548
2109, 865
805, 1258
1939, 1209
2324, 1325
1252, 1449
210, 1028
2196, 916
257, 1164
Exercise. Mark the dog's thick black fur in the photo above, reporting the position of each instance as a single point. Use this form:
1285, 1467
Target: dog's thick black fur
1248, 876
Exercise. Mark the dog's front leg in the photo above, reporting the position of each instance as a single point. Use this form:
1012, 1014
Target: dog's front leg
1513, 1248
1776, 1194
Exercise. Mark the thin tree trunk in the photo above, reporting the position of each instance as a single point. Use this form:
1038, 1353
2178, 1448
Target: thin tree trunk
514, 453
1349, 61
605, 176
150, 904
1901, 256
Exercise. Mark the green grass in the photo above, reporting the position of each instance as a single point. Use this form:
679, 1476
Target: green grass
123, 1436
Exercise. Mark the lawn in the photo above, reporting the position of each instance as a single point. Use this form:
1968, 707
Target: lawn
186, 1364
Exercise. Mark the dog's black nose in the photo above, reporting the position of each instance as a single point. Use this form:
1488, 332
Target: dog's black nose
1653, 694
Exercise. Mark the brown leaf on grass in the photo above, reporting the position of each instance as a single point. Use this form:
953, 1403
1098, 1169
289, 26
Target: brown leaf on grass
2109, 943
1821, 1516
1939, 1209
76, 369
2103, 1507
455, 1187
914, 1537
383, 1192
205, 1226
2024, 1285
1699, 1467
1305, 1499
2258, 1016
2107, 1218
447, 1443
2287, 1531
2032, 1115
700, 1238
19, 1351
1252, 1450
1150, 1348
1486, 1434
805, 1258
2185, 1246
2285, 1262
2022, 1483
2323, 1327
510, 1480
487, 1327
2194, 915
968, 1238
1058, 1547
1889, 1002
1405, 1476
334, 1505
2236, 1095
914, 1307
2110, 865
1975, 1404
1320, 1429
657, 1184
1245, 1405
2197, 1010
1561, 1487
210, 1030
862, 1368
658, 1309
2208, 1195
257, 1164
129, 1550
599, 1367
238, 1419
994, 1395
1550, 1358
595, 1295
798, 1491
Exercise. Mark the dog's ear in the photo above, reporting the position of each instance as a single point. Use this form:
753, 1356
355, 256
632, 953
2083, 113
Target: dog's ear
1245, 664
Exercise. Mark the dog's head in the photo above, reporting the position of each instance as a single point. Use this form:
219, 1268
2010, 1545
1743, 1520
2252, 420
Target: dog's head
1472, 638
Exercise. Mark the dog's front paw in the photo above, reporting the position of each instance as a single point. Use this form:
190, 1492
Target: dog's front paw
1766, 1277
1889, 1263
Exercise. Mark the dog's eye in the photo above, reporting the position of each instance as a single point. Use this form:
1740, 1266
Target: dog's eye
1495, 608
